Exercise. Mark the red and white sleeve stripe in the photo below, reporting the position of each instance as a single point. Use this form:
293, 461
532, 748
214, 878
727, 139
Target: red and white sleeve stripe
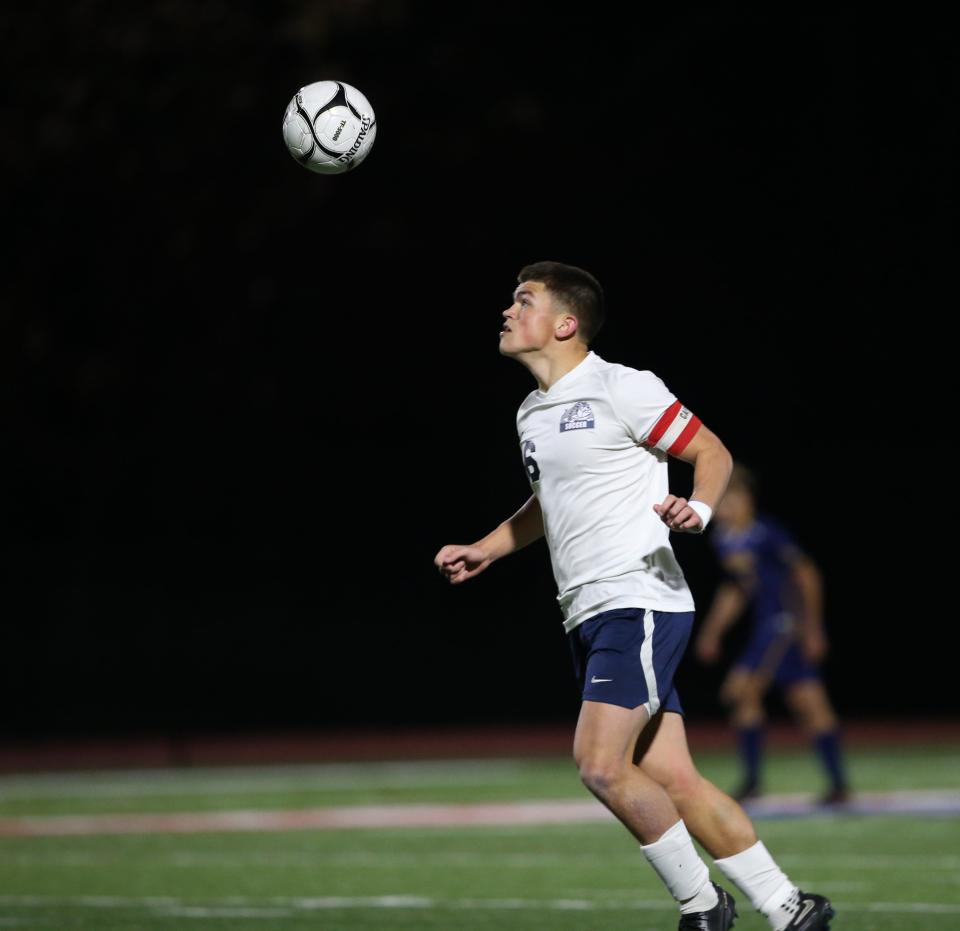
673, 430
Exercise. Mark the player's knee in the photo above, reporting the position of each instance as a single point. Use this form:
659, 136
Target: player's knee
600, 774
817, 721
683, 784
748, 715
811, 707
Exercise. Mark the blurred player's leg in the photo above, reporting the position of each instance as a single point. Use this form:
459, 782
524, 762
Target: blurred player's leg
743, 690
809, 702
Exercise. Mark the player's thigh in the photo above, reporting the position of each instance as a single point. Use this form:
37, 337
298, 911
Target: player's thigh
666, 757
607, 734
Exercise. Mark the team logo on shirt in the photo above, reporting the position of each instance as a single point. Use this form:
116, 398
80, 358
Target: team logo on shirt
578, 417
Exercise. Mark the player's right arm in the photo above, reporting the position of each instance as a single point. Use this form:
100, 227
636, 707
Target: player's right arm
728, 604
459, 562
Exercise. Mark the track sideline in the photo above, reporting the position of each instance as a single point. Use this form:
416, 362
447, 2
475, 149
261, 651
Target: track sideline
366, 744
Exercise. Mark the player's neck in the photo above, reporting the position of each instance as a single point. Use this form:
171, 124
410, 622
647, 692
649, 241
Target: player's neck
549, 368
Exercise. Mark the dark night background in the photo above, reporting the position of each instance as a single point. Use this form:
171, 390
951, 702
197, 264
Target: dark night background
244, 405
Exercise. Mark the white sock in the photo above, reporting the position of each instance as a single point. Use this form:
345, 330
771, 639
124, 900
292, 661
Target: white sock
682, 870
754, 871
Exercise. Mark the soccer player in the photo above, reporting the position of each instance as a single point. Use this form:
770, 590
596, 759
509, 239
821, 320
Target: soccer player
767, 568
595, 437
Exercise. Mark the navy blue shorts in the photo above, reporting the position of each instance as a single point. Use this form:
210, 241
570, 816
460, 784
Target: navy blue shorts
628, 657
778, 659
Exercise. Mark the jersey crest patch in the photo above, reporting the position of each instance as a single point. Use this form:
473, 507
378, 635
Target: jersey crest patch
578, 417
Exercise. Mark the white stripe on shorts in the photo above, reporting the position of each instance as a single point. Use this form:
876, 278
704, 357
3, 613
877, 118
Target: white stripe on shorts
646, 661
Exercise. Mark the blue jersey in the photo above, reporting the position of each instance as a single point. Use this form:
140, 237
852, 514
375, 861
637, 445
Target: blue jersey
759, 558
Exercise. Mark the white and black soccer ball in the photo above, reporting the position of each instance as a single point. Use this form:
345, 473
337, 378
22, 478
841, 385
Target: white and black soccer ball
329, 127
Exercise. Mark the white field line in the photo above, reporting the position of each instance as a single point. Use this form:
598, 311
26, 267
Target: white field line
512, 814
288, 906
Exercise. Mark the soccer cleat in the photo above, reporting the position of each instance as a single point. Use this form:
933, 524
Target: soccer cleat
836, 796
719, 918
809, 912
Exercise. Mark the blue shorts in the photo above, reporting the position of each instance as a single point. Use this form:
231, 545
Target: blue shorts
774, 653
778, 659
628, 657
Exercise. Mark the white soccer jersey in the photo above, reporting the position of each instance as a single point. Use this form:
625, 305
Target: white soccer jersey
595, 449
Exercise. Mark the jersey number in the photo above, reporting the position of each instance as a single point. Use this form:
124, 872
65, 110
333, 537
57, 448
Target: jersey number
533, 470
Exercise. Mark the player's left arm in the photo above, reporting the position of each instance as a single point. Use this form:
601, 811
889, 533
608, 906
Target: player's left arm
712, 465
806, 574
655, 419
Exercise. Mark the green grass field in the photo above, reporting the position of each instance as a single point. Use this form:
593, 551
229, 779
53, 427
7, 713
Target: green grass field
882, 872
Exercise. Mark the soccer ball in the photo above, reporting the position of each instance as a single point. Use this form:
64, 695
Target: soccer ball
329, 127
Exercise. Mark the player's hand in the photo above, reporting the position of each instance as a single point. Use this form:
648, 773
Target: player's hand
814, 645
678, 515
459, 563
707, 649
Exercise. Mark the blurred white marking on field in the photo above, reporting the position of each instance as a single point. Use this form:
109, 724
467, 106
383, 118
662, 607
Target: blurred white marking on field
512, 814
198, 911
358, 816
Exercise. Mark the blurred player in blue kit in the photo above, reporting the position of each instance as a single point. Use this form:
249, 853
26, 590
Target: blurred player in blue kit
595, 438
766, 568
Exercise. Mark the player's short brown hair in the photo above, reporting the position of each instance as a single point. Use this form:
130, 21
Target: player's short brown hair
573, 287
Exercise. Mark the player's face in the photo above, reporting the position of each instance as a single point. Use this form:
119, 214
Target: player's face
530, 321
735, 507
